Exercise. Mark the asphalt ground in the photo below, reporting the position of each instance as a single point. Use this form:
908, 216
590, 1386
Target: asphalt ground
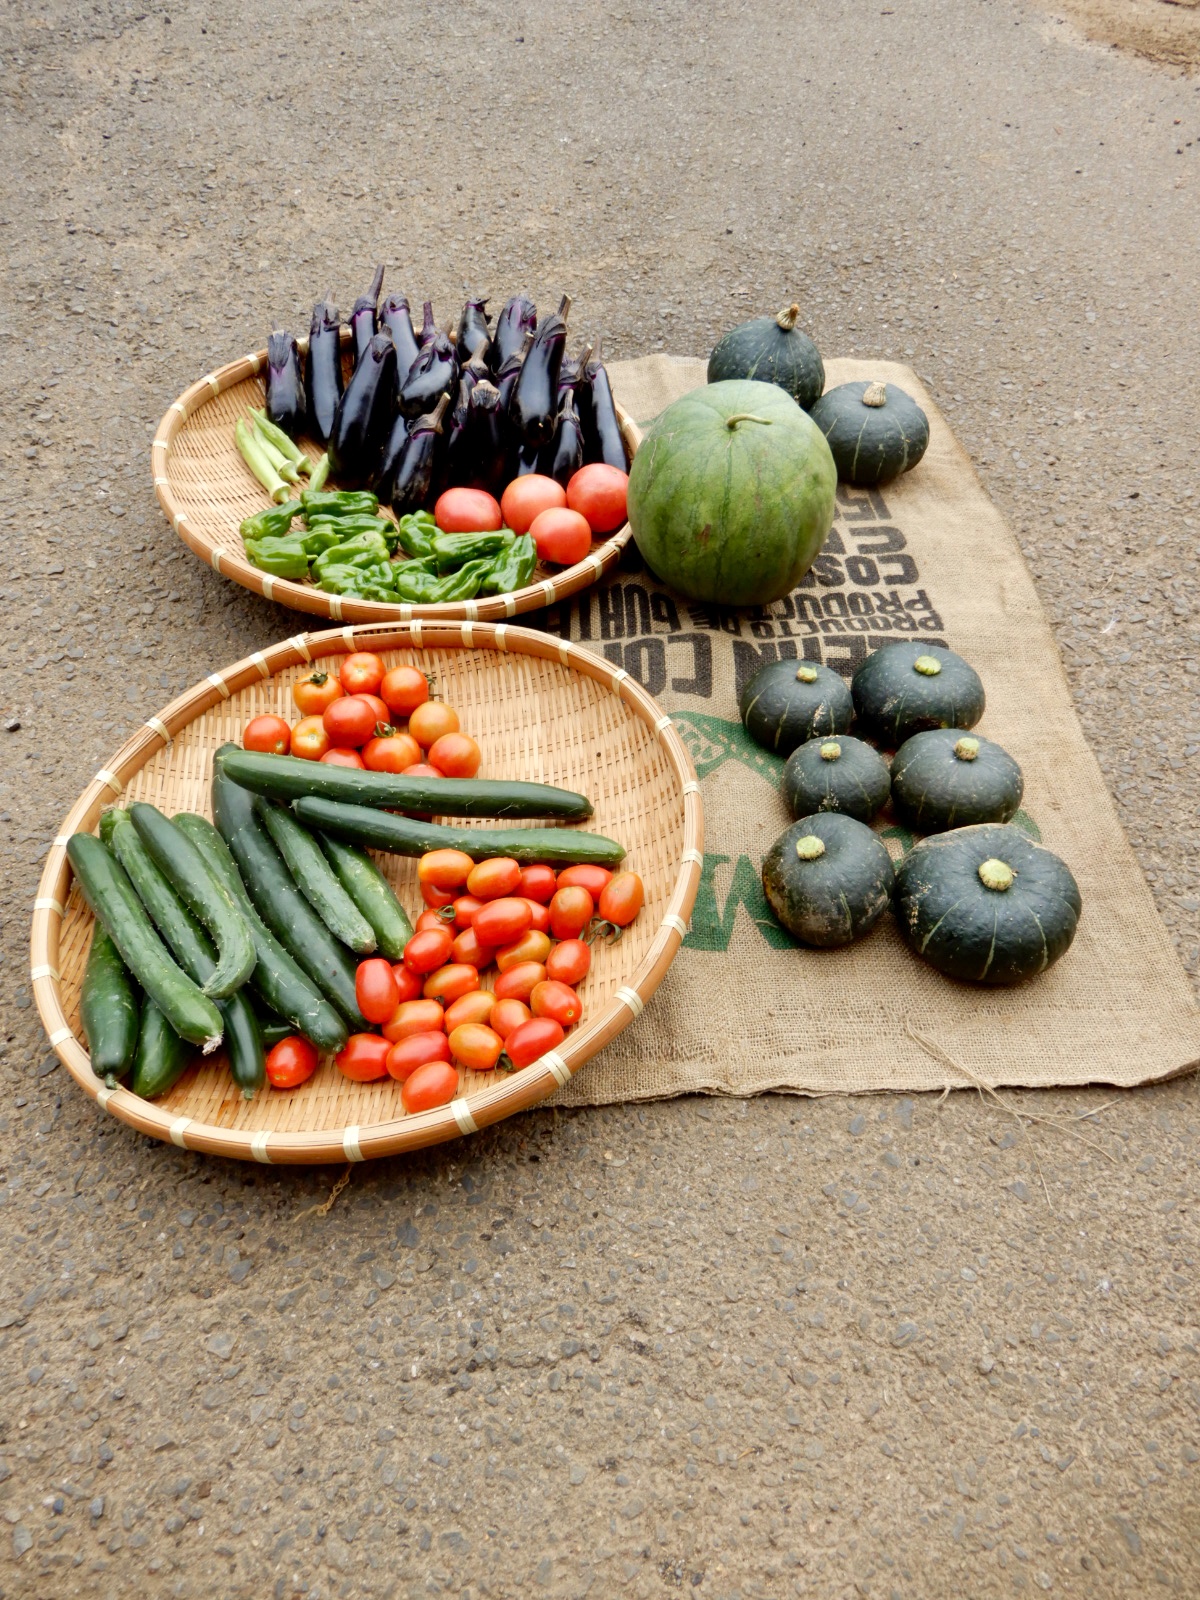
824, 1348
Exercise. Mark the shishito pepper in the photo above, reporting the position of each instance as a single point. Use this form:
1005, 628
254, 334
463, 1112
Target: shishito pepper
347, 527
453, 549
512, 568
282, 558
346, 579
272, 523
319, 539
337, 503
415, 534
364, 549
463, 584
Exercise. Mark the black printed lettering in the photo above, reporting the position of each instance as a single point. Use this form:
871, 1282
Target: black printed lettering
701, 681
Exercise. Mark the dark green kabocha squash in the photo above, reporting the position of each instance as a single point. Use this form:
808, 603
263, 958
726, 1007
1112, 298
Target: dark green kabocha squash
828, 879
771, 350
841, 774
947, 778
986, 904
874, 430
787, 702
908, 687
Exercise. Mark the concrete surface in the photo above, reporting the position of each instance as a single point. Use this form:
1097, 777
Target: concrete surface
831, 1348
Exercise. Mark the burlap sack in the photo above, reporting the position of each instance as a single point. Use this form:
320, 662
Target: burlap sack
742, 1009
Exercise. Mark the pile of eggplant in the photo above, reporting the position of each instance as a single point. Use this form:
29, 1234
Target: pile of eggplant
471, 405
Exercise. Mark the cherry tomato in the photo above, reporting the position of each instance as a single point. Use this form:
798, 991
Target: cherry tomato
362, 673
532, 1039
507, 1015
465, 908
501, 921
270, 734
537, 883
494, 878
476, 1046
518, 983
569, 962
451, 982
557, 1000
467, 948
434, 897
561, 536
408, 983
424, 770
426, 952
540, 916
382, 714
314, 693
414, 1051
414, 1016
309, 739
570, 912
526, 497
375, 989
430, 721
593, 879
364, 1057
622, 899
432, 919
455, 755
598, 492
343, 758
391, 752
291, 1062
530, 946
434, 1084
444, 869
403, 689
474, 1007
350, 722
467, 511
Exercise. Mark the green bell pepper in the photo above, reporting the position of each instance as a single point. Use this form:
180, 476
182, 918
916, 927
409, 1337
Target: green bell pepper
512, 568
271, 524
453, 549
415, 534
282, 558
337, 502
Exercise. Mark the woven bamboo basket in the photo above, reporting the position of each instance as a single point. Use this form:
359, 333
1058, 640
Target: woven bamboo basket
541, 709
207, 491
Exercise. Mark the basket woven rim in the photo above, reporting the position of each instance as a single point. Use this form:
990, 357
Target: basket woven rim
466, 1114
342, 608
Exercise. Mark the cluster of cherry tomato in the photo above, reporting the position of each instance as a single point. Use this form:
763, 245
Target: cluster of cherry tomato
561, 522
366, 716
431, 1008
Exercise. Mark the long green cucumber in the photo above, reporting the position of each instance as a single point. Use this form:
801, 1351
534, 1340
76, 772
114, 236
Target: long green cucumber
244, 1044
372, 894
382, 830
289, 778
205, 897
315, 878
162, 1056
108, 1009
276, 978
108, 891
278, 901
272, 1029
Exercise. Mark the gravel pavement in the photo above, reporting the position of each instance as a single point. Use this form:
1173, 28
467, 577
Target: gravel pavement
826, 1348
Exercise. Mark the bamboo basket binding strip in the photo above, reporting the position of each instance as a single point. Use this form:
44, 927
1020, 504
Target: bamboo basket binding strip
206, 490
543, 709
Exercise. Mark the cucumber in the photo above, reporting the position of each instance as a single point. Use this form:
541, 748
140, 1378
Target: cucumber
273, 1029
204, 896
382, 830
276, 978
162, 1056
244, 1044
372, 894
289, 778
278, 901
316, 879
108, 891
108, 1009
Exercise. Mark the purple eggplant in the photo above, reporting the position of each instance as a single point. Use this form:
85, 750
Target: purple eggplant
525, 461
323, 371
412, 479
483, 447
535, 399
432, 375
285, 384
364, 324
506, 377
562, 455
393, 451
394, 318
474, 337
602, 439
518, 318
428, 325
364, 415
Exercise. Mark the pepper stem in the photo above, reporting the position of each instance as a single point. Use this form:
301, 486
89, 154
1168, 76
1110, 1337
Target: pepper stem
787, 318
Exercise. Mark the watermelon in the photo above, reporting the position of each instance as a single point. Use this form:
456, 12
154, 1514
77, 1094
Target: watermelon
731, 493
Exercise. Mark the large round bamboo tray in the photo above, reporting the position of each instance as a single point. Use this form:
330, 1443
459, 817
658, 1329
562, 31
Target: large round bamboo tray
541, 709
207, 491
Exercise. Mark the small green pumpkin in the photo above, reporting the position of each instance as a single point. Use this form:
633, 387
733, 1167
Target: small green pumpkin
828, 879
842, 774
907, 687
875, 431
986, 904
772, 350
789, 701
947, 778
